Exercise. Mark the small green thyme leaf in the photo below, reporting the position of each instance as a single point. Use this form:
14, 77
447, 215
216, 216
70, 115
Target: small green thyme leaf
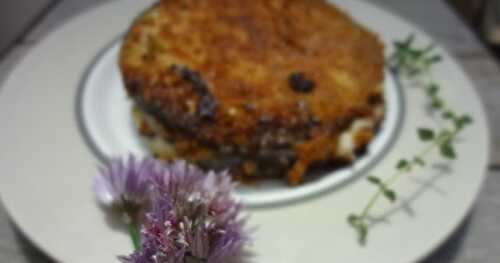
406, 43
467, 119
463, 121
437, 103
363, 233
458, 124
414, 53
449, 115
353, 219
390, 194
426, 134
434, 59
433, 89
448, 151
403, 164
374, 180
356, 222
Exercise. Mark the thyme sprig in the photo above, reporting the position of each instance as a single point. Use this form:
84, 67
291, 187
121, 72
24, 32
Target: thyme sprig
411, 62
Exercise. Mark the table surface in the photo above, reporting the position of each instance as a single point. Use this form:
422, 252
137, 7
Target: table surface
475, 241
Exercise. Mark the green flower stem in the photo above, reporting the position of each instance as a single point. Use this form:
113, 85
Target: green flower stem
133, 231
391, 180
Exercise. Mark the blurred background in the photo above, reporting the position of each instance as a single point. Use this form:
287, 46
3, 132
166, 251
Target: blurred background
16, 17
24, 22
483, 16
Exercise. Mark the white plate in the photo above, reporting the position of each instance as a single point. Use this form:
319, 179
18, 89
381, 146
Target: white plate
47, 166
104, 111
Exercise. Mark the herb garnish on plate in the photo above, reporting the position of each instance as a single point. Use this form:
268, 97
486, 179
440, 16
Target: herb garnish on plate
414, 63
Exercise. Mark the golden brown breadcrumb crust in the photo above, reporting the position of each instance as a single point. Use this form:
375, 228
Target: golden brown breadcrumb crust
217, 72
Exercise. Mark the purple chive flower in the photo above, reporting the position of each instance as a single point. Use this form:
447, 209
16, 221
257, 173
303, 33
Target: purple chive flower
193, 219
124, 182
